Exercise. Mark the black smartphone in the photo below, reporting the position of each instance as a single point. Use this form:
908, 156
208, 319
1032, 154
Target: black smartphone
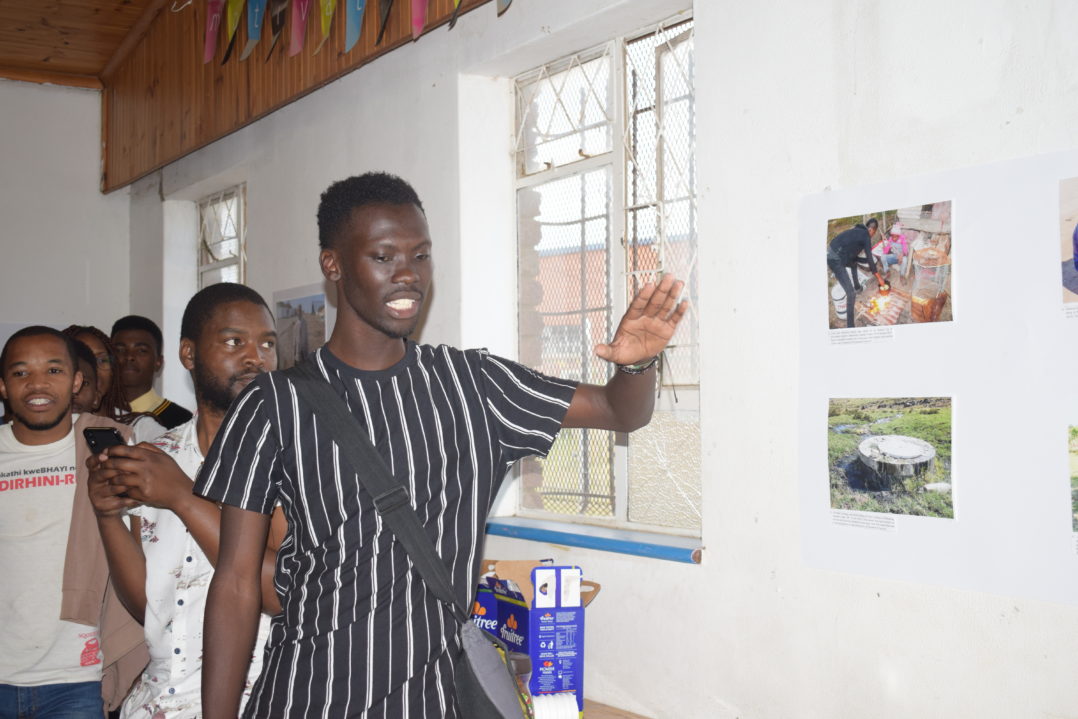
101, 438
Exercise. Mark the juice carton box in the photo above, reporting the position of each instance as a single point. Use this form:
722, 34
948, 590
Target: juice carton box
540, 612
485, 608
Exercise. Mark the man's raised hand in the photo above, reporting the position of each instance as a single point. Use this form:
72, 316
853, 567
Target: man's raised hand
648, 324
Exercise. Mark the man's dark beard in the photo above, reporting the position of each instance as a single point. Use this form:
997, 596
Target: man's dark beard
209, 390
43, 426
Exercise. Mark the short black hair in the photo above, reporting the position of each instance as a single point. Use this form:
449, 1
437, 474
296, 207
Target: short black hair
872, 222
372, 188
39, 331
138, 322
205, 301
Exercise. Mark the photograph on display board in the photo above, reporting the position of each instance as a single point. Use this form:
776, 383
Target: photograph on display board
1073, 451
891, 455
1068, 237
891, 267
301, 327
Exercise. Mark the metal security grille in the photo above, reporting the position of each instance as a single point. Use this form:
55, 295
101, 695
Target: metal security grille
605, 202
566, 245
563, 112
222, 241
660, 135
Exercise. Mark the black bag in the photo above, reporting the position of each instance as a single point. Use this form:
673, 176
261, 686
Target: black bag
486, 687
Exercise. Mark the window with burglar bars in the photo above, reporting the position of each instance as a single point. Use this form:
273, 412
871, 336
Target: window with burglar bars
606, 202
222, 237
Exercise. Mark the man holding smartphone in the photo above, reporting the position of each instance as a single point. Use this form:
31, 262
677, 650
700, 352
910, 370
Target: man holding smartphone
53, 649
163, 563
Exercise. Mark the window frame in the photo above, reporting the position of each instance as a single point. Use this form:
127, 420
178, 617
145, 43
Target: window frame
617, 159
239, 191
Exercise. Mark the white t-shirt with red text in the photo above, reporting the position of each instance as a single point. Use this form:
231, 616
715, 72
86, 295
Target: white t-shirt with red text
37, 488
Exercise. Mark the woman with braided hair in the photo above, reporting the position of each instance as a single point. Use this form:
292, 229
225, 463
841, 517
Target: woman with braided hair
113, 403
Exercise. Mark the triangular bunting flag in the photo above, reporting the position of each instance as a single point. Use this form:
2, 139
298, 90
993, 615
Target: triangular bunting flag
384, 6
214, 8
278, 12
233, 13
419, 17
353, 23
325, 12
301, 9
256, 13
503, 5
456, 11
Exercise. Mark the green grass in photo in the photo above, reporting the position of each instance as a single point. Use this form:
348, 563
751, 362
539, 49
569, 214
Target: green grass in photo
850, 421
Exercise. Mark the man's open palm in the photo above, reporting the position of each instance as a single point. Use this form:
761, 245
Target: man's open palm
648, 324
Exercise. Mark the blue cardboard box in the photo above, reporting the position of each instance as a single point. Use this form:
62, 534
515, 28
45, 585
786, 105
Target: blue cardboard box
540, 612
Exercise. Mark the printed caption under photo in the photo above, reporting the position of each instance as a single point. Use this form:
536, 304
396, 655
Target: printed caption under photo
1070, 312
863, 520
861, 335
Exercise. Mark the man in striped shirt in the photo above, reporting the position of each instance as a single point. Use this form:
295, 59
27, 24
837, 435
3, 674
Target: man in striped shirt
359, 634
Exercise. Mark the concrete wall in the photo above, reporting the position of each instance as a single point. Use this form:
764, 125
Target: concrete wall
63, 245
793, 98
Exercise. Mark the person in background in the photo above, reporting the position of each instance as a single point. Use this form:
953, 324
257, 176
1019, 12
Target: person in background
138, 344
110, 398
67, 644
87, 398
360, 634
891, 249
163, 564
844, 252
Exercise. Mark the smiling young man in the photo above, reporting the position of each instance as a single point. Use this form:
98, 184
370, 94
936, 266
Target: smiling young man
162, 565
138, 344
54, 593
360, 635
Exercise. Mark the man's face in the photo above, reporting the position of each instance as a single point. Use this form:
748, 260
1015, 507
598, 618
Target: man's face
38, 383
237, 343
382, 260
139, 359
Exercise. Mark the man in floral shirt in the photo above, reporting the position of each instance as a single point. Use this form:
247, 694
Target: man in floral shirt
163, 564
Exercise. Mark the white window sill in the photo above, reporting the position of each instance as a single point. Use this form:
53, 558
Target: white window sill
621, 541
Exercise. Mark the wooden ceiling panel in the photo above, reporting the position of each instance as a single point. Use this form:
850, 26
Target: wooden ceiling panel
63, 37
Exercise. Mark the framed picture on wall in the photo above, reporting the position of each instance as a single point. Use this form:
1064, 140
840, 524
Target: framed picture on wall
911, 253
1068, 238
304, 321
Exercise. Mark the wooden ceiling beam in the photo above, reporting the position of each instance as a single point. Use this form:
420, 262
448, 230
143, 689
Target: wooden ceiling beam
133, 37
51, 77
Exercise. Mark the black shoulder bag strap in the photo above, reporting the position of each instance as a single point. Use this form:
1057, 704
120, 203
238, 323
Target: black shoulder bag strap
391, 498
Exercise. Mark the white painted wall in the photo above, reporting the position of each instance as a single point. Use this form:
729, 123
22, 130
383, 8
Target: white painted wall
63, 245
793, 97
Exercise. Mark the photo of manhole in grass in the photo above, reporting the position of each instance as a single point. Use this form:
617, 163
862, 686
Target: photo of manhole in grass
1072, 445
891, 455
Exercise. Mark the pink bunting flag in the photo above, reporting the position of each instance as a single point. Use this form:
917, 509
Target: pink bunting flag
214, 10
301, 9
419, 17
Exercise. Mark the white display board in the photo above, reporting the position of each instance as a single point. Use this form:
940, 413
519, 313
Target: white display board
1004, 367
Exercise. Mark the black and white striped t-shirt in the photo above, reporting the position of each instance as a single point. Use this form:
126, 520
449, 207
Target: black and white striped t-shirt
359, 634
